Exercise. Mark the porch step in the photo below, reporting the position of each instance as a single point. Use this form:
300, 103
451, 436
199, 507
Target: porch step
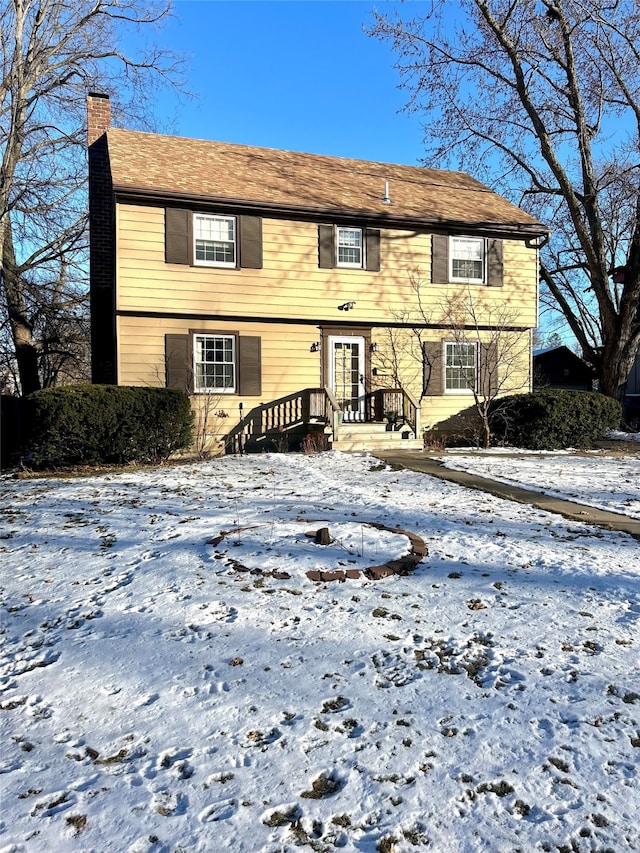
372, 437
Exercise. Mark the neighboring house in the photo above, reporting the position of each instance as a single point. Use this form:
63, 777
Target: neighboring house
633, 381
631, 400
558, 367
290, 293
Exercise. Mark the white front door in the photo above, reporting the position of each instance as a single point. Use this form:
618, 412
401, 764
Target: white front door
346, 373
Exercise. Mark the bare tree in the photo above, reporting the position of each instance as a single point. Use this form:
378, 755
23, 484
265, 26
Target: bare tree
542, 99
404, 358
52, 53
490, 354
400, 360
477, 344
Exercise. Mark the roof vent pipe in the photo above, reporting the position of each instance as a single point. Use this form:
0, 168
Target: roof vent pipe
386, 198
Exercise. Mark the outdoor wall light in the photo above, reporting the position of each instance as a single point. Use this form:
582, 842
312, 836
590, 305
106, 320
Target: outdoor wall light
346, 306
315, 347
373, 347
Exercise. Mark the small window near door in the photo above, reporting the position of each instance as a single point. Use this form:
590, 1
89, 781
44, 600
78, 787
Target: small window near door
349, 244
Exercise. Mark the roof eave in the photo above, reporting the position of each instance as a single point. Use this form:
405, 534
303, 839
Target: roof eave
526, 230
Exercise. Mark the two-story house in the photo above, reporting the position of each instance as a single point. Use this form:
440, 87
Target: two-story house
290, 293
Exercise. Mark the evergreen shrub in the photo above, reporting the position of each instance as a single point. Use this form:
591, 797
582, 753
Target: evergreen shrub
105, 424
554, 419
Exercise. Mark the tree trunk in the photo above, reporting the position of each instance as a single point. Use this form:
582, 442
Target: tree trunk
486, 433
621, 331
21, 328
614, 369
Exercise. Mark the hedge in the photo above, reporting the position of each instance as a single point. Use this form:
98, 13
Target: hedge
554, 419
96, 424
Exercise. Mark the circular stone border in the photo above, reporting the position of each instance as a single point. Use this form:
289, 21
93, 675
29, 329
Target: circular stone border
402, 566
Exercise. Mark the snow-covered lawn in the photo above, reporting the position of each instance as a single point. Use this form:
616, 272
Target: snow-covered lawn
612, 485
159, 693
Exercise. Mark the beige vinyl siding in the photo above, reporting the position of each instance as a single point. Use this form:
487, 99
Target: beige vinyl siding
290, 277
289, 367
398, 363
518, 295
514, 377
291, 280
287, 363
291, 286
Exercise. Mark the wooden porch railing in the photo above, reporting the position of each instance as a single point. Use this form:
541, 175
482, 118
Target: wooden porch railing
387, 403
289, 414
320, 406
285, 413
333, 411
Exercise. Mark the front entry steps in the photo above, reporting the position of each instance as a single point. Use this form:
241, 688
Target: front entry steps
363, 437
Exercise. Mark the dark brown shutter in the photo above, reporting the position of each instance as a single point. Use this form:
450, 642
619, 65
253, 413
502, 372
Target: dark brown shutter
250, 241
177, 235
439, 258
494, 263
488, 379
249, 366
326, 247
177, 364
432, 369
372, 237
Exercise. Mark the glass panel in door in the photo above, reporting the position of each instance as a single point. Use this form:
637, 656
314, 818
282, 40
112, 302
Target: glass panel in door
347, 376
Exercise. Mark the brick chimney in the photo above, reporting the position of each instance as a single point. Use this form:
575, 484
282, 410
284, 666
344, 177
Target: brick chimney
102, 267
98, 116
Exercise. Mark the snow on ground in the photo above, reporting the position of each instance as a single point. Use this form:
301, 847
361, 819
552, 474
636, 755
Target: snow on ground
613, 485
155, 697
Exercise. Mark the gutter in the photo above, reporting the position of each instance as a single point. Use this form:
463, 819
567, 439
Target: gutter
531, 232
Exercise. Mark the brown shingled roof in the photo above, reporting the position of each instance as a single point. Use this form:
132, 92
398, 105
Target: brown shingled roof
173, 167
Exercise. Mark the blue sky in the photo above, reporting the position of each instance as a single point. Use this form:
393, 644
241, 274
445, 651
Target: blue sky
293, 74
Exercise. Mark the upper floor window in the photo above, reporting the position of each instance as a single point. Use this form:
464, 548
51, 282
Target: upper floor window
460, 368
214, 240
214, 363
350, 248
467, 258
349, 245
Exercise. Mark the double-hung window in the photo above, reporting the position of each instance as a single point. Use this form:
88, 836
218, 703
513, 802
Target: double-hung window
467, 259
349, 247
460, 368
214, 363
214, 240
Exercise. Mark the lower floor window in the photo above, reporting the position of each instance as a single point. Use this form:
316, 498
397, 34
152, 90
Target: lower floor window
214, 361
461, 367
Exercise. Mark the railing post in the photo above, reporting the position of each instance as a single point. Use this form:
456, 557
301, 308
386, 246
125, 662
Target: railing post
336, 421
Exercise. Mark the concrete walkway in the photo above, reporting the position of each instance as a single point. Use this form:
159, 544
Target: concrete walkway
426, 464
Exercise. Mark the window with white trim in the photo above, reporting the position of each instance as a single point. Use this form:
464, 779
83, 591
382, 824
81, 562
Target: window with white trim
467, 259
214, 240
349, 247
460, 368
214, 363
